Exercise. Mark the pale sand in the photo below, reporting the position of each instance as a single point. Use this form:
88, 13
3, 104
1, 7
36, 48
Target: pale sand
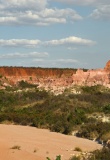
37, 144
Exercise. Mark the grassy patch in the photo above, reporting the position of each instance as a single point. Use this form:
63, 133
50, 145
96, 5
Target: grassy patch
16, 147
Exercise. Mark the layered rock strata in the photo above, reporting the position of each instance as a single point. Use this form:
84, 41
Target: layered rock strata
91, 78
55, 79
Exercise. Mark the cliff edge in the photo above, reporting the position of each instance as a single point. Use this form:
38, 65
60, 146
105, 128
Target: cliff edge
55, 78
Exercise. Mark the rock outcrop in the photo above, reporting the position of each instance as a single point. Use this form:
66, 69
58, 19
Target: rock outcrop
55, 79
91, 77
107, 67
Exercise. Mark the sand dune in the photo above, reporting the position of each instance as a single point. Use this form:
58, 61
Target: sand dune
37, 144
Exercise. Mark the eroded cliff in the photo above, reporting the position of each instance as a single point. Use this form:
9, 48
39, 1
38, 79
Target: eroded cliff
53, 79
35, 72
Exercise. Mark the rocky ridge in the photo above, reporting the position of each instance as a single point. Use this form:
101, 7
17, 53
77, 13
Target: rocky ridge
55, 80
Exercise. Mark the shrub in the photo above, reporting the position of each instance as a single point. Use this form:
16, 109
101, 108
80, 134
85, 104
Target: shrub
1, 76
103, 154
75, 158
78, 149
16, 147
24, 84
106, 108
106, 136
57, 158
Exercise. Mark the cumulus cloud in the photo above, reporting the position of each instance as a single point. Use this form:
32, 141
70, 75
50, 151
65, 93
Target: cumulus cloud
34, 12
70, 41
24, 55
22, 4
84, 2
67, 61
102, 12
19, 43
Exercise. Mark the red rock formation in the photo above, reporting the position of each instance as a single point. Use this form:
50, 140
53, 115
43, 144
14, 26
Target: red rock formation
45, 76
35, 72
54, 78
107, 67
91, 77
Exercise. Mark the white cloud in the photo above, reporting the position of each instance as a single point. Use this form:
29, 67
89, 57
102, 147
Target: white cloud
84, 2
19, 43
22, 4
24, 55
34, 12
70, 41
67, 61
60, 13
102, 12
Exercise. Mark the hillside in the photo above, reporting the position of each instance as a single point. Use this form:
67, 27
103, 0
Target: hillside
80, 106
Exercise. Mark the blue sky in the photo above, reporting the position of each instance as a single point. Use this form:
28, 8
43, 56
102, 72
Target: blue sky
55, 33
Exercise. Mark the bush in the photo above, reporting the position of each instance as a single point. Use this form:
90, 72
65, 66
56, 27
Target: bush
106, 136
103, 154
23, 84
75, 158
16, 147
57, 158
78, 149
106, 108
62, 127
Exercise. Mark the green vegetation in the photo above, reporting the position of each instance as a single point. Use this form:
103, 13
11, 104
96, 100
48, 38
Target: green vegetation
16, 147
26, 105
57, 158
75, 158
78, 149
103, 154
23, 84
1, 76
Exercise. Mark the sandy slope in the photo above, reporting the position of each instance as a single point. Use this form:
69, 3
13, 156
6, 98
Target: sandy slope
37, 144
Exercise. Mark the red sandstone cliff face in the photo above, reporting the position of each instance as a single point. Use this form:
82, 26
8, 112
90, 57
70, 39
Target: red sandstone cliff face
44, 76
107, 67
93, 77
53, 78
35, 72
